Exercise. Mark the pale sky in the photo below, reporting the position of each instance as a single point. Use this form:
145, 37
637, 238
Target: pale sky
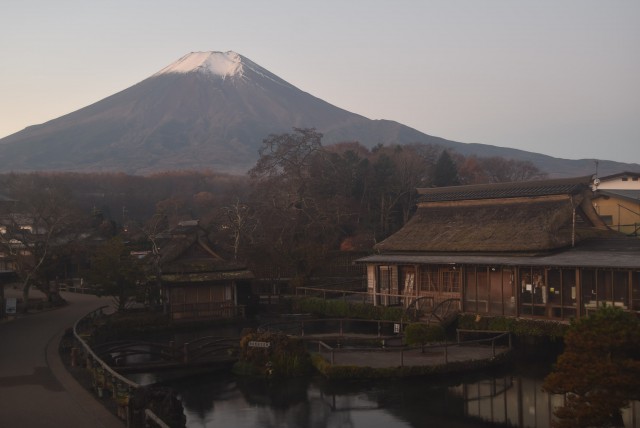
559, 77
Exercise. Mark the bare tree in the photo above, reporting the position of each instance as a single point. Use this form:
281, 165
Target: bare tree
42, 224
498, 170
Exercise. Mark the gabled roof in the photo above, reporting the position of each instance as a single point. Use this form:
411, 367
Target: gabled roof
525, 218
185, 252
628, 195
620, 174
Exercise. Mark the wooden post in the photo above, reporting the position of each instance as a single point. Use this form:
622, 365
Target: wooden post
74, 356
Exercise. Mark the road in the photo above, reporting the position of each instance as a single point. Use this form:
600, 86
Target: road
35, 388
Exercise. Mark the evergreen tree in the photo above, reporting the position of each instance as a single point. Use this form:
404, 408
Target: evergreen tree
445, 172
599, 370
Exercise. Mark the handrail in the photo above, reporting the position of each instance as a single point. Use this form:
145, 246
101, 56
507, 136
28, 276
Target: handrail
402, 349
149, 414
104, 365
301, 323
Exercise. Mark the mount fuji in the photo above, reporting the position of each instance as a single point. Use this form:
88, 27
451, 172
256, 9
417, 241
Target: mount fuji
211, 110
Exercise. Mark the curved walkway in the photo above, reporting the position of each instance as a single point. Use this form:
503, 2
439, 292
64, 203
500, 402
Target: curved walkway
36, 390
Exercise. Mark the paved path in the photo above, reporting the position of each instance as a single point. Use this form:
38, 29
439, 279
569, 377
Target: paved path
36, 390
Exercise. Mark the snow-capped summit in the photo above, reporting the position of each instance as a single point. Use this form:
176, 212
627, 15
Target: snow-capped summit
209, 110
222, 64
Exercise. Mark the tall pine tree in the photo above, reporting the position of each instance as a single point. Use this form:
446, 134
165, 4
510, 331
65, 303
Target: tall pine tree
445, 172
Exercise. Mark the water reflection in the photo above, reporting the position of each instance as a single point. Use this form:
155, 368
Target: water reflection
482, 401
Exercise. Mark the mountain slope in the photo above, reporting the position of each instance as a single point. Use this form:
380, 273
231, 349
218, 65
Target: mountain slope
208, 110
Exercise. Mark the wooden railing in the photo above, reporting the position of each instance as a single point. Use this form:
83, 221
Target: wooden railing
105, 377
400, 351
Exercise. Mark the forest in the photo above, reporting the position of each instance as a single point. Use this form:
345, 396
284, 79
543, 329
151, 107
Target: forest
298, 206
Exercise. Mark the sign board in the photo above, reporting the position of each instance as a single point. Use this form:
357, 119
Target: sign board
256, 344
396, 328
12, 304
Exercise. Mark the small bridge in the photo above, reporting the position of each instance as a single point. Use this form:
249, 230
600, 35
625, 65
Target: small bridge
139, 356
433, 312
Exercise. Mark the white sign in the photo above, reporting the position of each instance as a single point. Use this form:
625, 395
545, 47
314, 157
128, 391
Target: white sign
12, 304
255, 344
396, 328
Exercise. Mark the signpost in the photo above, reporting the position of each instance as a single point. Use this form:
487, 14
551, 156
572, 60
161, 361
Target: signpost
12, 304
256, 344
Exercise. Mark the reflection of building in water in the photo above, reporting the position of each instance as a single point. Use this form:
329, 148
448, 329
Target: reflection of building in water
520, 402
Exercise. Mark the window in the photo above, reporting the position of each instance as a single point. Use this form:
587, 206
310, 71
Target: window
608, 220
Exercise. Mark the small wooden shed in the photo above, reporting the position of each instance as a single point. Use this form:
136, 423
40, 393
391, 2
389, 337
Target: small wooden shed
196, 281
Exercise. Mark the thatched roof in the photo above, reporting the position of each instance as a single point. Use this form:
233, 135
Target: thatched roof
530, 217
186, 255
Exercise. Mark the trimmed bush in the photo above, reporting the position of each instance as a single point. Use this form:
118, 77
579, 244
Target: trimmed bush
517, 326
421, 334
344, 309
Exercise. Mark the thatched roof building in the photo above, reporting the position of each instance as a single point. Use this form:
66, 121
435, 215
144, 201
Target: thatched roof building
526, 217
196, 280
187, 256
528, 249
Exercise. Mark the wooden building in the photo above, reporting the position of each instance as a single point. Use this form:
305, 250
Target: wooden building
617, 201
197, 282
527, 249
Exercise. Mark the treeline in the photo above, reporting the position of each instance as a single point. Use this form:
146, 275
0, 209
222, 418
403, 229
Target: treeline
298, 204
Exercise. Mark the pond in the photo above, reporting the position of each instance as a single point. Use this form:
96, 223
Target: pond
500, 398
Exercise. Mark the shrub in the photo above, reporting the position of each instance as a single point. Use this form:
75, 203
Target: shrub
517, 326
421, 334
283, 357
344, 309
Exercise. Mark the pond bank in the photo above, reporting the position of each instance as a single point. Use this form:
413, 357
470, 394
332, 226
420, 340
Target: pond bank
369, 364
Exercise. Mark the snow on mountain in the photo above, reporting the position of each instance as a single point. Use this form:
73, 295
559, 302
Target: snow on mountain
222, 64
211, 110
